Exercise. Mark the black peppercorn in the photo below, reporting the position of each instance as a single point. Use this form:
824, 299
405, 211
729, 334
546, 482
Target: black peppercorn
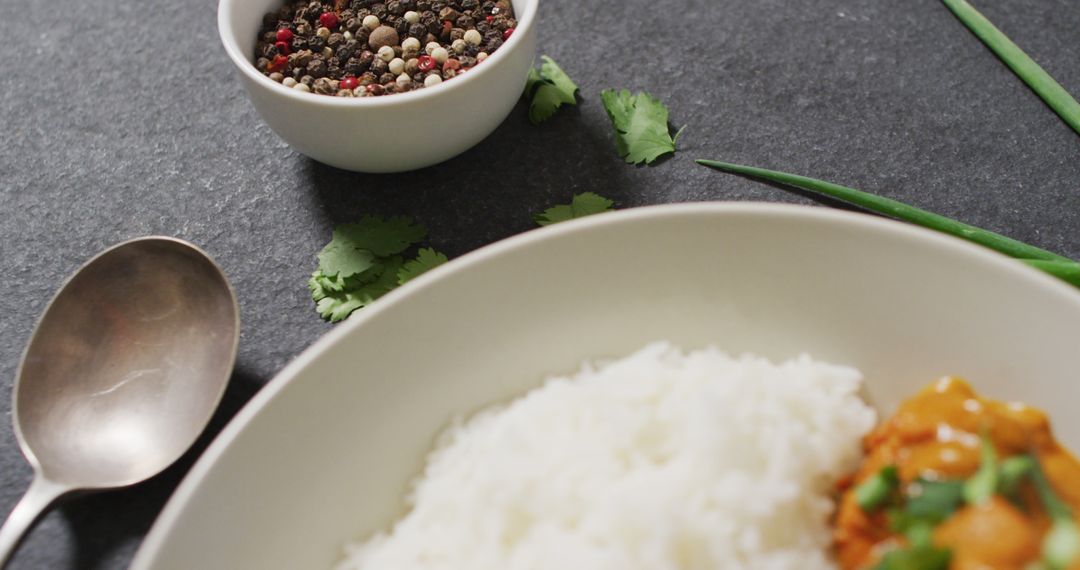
423, 5
316, 44
347, 49
379, 10
464, 22
470, 4
387, 78
352, 67
379, 67
417, 31
317, 68
394, 7
334, 40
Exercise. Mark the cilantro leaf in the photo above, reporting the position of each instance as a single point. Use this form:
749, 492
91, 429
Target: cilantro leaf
547, 90
641, 125
585, 204
335, 307
426, 259
380, 236
341, 258
566, 87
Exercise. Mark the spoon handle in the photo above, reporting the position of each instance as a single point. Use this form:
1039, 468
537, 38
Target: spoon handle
34, 503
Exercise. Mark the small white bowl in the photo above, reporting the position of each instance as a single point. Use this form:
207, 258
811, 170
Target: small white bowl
322, 455
393, 133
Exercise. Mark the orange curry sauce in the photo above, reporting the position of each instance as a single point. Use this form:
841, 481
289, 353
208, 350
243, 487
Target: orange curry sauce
935, 435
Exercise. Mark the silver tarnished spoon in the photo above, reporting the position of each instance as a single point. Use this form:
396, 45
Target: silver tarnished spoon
122, 372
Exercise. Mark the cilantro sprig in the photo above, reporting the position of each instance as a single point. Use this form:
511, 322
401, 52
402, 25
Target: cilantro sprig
641, 126
584, 204
365, 261
547, 89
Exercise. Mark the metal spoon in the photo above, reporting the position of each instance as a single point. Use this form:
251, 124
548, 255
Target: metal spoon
122, 373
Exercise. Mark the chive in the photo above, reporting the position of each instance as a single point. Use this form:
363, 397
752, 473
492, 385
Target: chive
899, 210
873, 493
982, 485
1051, 92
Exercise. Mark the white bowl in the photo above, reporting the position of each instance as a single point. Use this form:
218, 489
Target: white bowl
322, 454
392, 133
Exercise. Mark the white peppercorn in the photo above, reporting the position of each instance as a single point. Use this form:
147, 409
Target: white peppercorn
386, 53
275, 76
473, 37
397, 66
327, 53
432, 80
458, 46
347, 35
412, 17
410, 44
302, 87
323, 33
371, 22
289, 82
440, 55
481, 56
430, 47
403, 80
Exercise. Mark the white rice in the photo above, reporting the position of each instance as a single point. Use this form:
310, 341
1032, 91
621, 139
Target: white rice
661, 460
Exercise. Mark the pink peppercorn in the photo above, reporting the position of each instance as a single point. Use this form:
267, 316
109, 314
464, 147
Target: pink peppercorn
509, 32
426, 63
278, 63
349, 82
284, 35
282, 47
328, 20
451, 64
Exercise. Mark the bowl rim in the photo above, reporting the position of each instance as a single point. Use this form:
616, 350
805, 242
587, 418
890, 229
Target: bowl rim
193, 480
232, 47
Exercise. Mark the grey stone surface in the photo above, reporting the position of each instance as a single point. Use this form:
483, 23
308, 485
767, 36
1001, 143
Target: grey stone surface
123, 118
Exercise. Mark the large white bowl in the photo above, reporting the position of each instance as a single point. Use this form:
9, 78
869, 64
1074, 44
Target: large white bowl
323, 453
392, 133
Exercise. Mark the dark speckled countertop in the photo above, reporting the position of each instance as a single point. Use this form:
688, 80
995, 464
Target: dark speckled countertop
122, 119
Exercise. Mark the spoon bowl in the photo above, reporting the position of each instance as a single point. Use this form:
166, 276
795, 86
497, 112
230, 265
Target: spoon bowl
122, 373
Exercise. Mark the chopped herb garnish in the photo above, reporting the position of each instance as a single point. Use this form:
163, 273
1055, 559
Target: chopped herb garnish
1013, 472
984, 483
1055, 96
584, 204
641, 126
1052, 263
877, 491
363, 262
933, 500
547, 89
915, 558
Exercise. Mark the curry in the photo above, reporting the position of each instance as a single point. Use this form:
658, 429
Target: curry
957, 481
